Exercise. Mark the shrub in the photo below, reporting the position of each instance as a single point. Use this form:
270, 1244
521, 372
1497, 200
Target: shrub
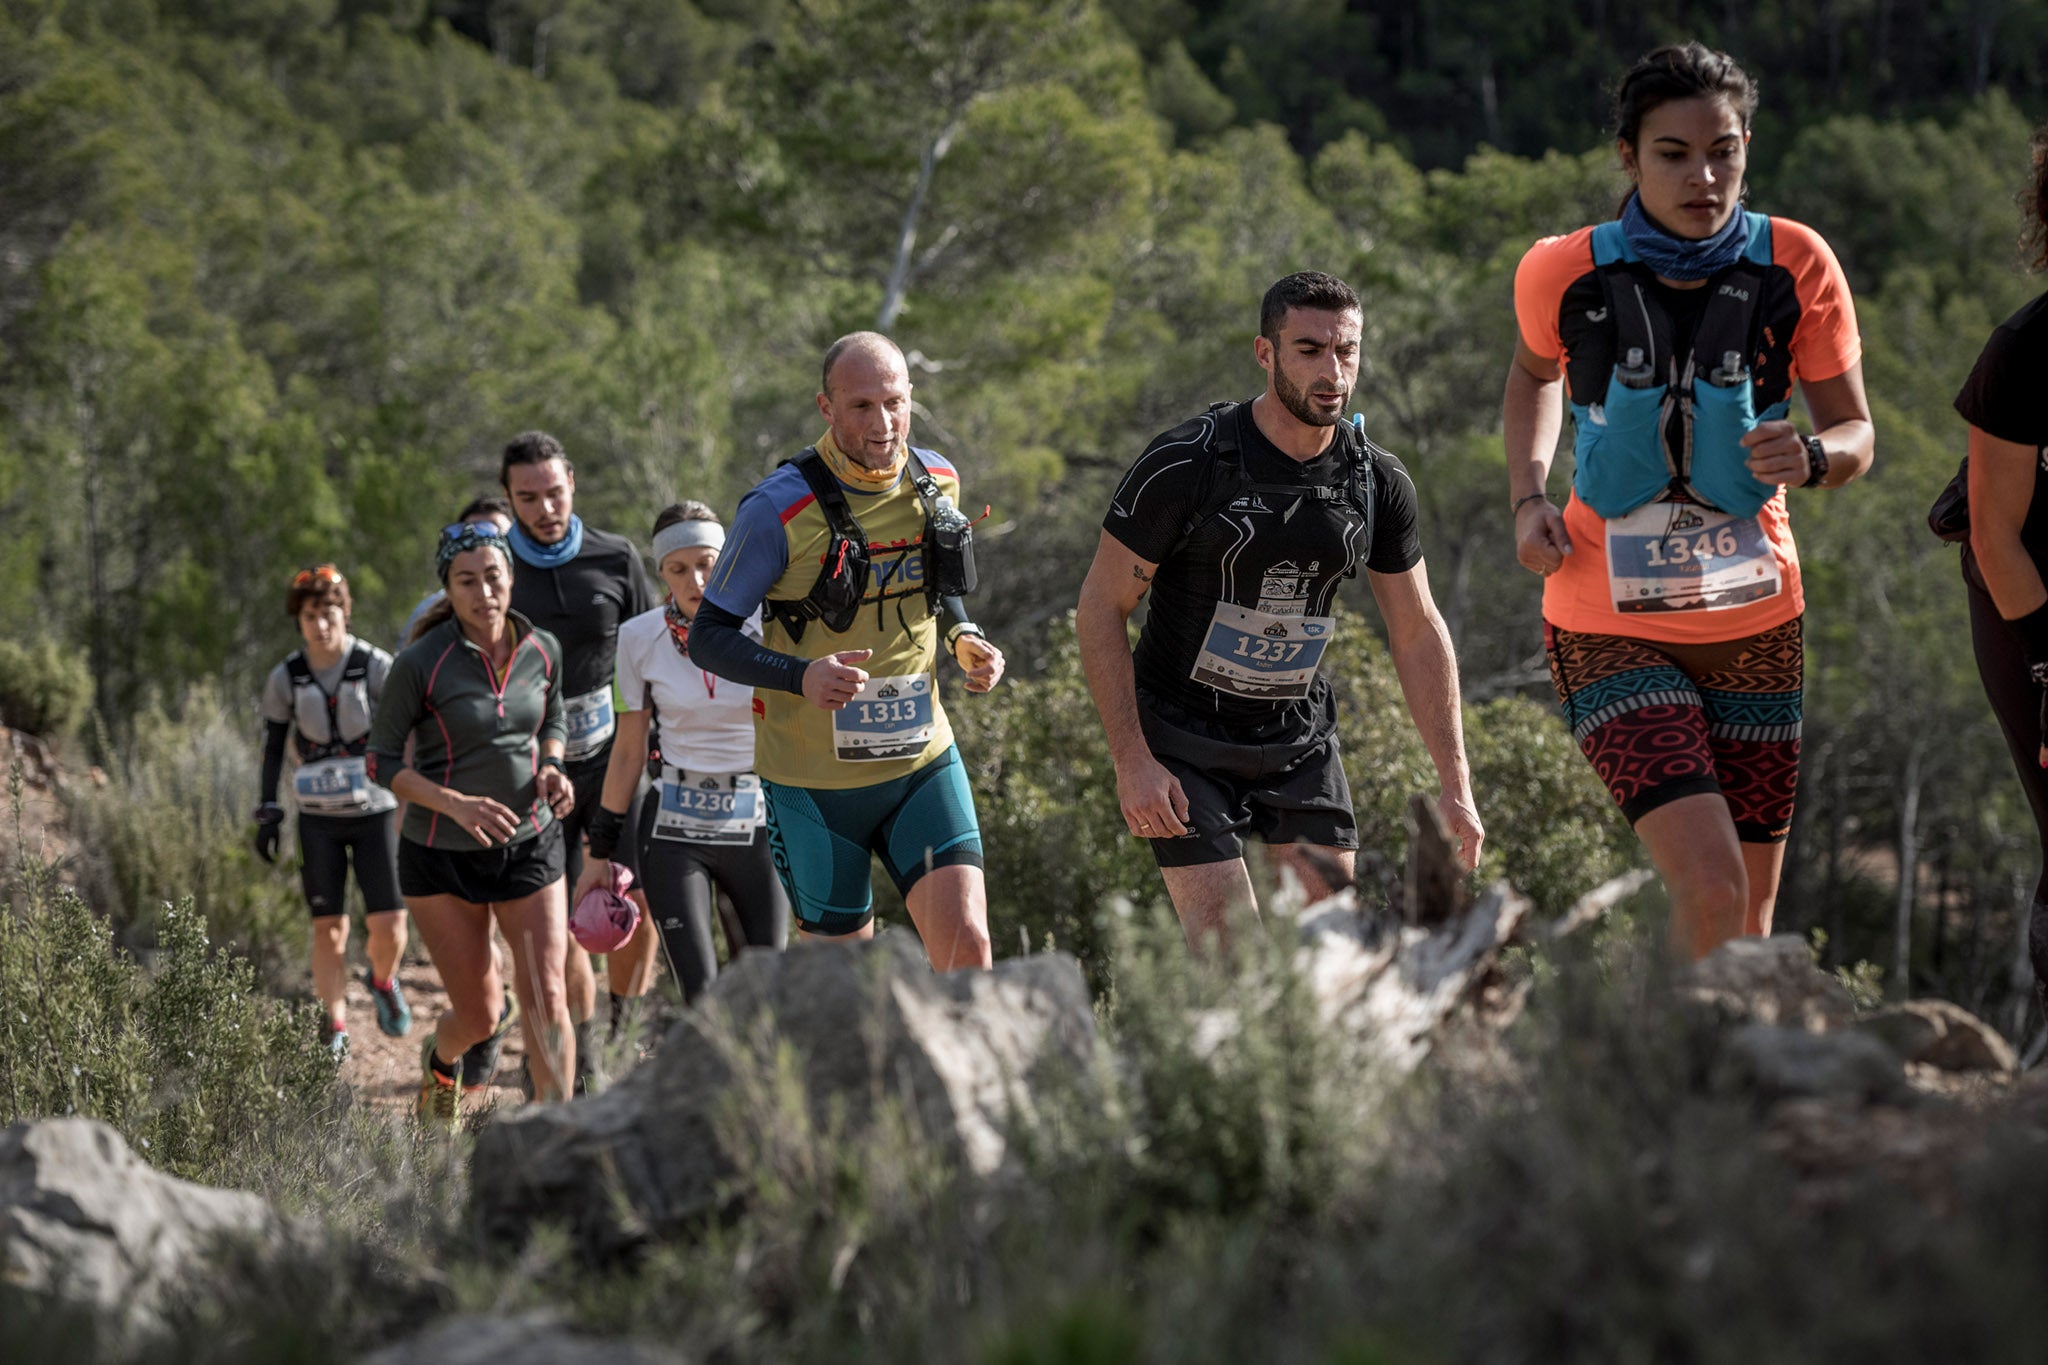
172, 822
44, 690
197, 1069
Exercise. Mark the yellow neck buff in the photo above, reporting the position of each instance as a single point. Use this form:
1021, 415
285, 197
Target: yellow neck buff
850, 471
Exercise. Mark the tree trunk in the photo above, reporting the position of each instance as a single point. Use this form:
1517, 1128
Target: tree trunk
898, 287
1909, 870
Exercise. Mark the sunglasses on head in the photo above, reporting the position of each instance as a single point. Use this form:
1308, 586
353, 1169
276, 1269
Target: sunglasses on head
319, 573
455, 530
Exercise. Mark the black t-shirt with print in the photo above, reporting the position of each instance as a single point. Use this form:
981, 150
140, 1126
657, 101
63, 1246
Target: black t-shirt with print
1270, 550
2002, 398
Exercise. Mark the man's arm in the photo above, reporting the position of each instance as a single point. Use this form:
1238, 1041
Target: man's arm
1428, 671
1154, 805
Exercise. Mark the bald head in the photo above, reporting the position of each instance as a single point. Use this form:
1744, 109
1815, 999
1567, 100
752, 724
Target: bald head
871, 351
867, 398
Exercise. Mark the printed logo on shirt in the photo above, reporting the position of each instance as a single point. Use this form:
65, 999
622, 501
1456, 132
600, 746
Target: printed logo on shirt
1251, 502
1284, 588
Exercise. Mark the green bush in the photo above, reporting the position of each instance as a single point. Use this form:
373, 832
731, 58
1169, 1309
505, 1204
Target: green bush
195, 1067
44, 690
173, 822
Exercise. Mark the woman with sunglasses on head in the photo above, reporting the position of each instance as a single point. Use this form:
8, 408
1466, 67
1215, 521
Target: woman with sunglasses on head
479, 695
706, 828
320, 701
1672, 604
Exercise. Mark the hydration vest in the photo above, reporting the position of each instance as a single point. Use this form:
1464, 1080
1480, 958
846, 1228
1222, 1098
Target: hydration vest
1223, 480
354, 672
946, 546
1622, 444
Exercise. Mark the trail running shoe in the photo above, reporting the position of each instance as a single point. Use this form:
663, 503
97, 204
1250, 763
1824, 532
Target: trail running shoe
440, 1096
480, 1063
334, 1037
394, 1016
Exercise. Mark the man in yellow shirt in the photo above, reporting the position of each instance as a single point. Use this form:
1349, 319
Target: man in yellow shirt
854, 553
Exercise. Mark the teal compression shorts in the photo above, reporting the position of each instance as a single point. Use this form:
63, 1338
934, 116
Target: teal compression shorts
822, 839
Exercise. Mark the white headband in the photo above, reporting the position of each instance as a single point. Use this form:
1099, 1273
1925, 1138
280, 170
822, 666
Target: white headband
687, 535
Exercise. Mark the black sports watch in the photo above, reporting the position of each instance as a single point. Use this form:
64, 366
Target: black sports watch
552, 761
1816, 463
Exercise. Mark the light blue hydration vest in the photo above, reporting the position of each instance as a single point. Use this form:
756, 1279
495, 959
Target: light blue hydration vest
1620, 445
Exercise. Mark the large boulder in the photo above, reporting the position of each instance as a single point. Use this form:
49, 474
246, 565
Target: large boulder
1768, 981
84, 1219
1941, 1034
863, 1029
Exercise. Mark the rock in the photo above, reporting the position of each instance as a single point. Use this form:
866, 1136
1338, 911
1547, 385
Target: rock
529, 1339
1392, 989
672, 1144
83, 1218
1768, 981
1779, 1063
1940, 1034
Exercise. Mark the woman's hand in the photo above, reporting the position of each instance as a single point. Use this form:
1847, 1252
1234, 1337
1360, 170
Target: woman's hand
1777, 454
596, 872
1541, 542
487, 821
557, 790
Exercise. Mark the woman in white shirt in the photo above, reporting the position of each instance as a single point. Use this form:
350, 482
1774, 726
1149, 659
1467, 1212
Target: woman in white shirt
708, 831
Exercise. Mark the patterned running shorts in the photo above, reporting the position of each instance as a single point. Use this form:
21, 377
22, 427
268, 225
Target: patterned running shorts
1661, 722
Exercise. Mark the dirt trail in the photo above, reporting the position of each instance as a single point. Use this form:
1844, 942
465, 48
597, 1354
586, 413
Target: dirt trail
385, 1072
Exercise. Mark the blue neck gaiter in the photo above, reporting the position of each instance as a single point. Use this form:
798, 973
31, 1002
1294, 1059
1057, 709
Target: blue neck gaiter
531, 551
1682, 258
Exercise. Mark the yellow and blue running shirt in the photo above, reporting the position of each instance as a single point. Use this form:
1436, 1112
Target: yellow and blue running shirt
774, 549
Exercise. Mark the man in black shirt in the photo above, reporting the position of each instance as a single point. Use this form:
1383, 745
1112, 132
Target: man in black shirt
578, 583
1244, 520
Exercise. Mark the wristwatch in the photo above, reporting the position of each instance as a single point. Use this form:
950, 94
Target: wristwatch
1816, 463
552, 761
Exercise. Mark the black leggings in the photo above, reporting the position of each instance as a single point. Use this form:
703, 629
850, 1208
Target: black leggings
678, 879
2016, 700
325, 843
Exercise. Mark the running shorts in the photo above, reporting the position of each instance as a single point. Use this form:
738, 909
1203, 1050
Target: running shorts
1660, 722
485, 876
1283, 782
326, 845
822, 839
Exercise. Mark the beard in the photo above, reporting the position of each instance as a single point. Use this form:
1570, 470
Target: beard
1296, 402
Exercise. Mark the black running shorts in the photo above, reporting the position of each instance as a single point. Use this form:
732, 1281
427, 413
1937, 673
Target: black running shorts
1283, 784
486, 876
327, 844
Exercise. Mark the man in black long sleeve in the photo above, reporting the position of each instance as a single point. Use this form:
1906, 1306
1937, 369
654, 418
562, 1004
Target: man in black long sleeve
577, 583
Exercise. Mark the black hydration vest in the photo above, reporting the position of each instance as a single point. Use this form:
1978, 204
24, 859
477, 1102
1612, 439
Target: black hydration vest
946, 545
1223, 480
355, 671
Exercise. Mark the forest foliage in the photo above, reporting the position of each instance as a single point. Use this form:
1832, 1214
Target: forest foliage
278, 278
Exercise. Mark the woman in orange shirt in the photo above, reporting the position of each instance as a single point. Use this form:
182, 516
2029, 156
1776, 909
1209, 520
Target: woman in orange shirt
1672, 602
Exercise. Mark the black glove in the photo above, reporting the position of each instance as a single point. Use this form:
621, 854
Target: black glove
269, 826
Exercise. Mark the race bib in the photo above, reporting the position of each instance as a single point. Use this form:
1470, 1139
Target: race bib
1682, 557
590, 721
891, 718
1263, 654
332, 786
709, 808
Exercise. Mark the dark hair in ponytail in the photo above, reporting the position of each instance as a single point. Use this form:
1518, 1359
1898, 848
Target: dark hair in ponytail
443, 610
1681, 71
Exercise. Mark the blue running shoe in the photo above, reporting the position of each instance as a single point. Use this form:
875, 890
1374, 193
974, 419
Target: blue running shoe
394, 1016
